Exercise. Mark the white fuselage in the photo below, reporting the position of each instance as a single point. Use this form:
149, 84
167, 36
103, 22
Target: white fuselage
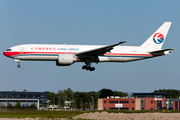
50, 52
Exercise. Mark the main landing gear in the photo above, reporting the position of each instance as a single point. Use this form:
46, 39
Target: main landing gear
18, 61
88, 62
87, 67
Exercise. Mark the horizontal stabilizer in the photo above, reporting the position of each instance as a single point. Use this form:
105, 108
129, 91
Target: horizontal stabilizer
158, 51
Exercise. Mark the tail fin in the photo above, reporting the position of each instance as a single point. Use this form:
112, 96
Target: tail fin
157, 39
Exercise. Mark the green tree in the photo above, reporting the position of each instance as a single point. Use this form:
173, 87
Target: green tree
82, 99
9, 105
104, 93
18, 104
74, 104
85, 98
121, 94
52, 97
1, 105
24, 90
65, 95
69, 94
27, 105
172, 93
62, 97
79, 98
33, 105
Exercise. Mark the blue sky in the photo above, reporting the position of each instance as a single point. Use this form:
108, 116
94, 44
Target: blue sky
95, 22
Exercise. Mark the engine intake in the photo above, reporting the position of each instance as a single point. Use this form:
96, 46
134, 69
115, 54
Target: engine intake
65, 60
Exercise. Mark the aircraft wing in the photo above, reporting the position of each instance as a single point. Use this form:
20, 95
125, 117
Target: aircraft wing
97, 51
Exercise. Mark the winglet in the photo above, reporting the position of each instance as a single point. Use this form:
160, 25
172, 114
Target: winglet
122, 42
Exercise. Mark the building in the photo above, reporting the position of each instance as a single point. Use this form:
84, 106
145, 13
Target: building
25, 98
173, 104
136, 101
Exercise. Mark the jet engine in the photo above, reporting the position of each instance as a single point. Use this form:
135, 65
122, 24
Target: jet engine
65, 60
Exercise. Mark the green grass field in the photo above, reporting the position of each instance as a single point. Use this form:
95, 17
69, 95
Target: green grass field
68, 114
39, 114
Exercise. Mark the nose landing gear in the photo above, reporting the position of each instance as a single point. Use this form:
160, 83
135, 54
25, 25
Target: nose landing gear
18, 65
18, 61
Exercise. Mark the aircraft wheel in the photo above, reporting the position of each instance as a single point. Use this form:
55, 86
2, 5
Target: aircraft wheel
88, 68
84, 67
18, 66
92, 69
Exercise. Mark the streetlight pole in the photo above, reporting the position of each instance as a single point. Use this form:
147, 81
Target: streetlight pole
92, 102
81, 103
58, 101
54, 101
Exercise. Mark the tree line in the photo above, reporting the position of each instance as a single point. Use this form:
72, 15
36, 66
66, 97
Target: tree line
81, 100
172, 93
84, 99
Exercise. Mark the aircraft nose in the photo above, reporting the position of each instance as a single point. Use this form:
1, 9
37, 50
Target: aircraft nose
5, 53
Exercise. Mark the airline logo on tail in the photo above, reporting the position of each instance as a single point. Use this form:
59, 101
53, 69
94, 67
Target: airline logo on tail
158, 38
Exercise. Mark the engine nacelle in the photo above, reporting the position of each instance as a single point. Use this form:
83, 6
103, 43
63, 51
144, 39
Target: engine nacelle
65, 60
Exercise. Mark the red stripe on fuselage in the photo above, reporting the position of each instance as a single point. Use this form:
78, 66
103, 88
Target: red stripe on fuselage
11, 53
121, 54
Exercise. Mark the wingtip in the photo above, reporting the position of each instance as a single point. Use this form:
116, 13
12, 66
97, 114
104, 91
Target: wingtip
122, 42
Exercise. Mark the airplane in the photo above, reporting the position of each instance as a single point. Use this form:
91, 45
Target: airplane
66, 55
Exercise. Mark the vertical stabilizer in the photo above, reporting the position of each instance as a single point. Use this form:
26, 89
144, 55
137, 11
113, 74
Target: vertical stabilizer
157, 39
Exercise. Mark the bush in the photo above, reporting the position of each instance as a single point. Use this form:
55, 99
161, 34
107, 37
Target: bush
33, 105
9, 105
18, 104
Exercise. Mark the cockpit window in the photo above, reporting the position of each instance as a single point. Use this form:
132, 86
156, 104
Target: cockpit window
8, 50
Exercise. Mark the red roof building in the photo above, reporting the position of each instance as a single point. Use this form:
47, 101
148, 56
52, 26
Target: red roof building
138, 101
